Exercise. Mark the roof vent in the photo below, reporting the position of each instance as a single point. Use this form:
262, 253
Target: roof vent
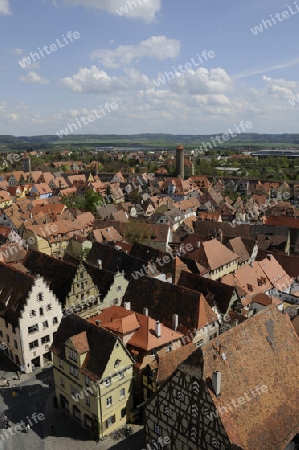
127, 305
216, 383
158, 329
175, 322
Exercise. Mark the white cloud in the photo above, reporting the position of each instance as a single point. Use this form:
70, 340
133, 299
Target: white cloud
16, 51
11, 111
202, 81
145, 10
96, 80
33, 77
281, 88
198, 102
4, 7
157, 47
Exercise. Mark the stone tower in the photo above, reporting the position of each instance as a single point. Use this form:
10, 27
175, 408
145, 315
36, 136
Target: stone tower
180, 161
26, 163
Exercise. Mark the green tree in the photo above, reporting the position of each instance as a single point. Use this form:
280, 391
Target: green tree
73, 201
92, 200
137, 231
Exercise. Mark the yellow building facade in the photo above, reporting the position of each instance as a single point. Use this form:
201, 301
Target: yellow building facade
102, 402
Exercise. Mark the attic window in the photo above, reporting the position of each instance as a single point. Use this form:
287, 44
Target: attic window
73, 355
40, 297
117, 363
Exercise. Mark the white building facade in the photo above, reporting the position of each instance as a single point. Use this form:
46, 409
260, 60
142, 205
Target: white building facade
28, 341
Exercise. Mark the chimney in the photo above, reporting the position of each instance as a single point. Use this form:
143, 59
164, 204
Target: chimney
98, 322
175, 322
158, 329
269, 257
198, 244
127, 305
216, 383
145, 311
100, 265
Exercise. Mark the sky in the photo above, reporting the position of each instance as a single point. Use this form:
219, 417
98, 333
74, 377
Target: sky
148, 66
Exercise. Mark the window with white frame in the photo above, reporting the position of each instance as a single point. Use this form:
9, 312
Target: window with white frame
110, 421
108, 382
74, 371
33, 329
122, 393
45, 339
109, 401
33, 344
87, 400
73, 355
73, 390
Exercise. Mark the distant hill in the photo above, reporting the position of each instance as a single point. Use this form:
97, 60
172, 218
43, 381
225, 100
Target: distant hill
149, 139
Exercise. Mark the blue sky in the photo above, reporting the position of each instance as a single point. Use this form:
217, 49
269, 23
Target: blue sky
119, 57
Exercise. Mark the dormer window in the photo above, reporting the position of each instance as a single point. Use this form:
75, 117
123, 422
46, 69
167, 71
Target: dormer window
73, 355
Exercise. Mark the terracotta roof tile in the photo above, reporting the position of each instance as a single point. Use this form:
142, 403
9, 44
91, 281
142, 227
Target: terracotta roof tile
275, 273
262, 351
80, 342
217, 254
213, 291
165, 299
239, 249
168, 363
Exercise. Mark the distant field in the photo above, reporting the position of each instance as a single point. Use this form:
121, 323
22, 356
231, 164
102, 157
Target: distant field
247, 140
